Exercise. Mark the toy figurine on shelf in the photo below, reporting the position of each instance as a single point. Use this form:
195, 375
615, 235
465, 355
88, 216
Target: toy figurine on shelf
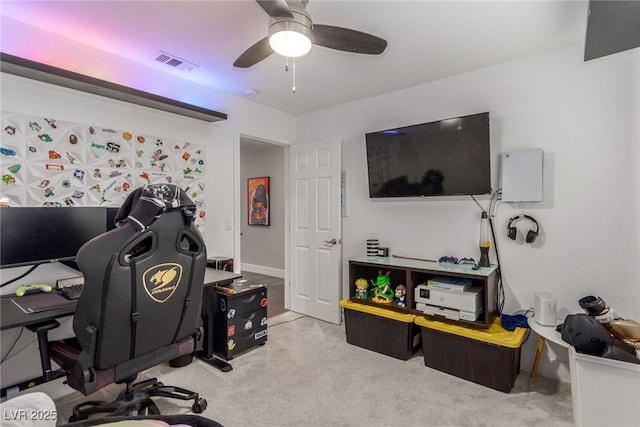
401, 295
361, 288
383, 293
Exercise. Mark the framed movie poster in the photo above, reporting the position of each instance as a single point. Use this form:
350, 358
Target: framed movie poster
258, 200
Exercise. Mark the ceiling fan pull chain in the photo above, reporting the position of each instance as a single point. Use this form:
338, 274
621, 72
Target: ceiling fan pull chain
294, 76
286, 63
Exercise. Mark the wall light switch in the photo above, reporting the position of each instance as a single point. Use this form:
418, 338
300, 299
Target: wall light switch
227, 224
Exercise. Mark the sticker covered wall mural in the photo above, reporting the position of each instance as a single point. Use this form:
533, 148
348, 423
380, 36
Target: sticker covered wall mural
50, 162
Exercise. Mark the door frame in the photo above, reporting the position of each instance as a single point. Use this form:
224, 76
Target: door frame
239, 215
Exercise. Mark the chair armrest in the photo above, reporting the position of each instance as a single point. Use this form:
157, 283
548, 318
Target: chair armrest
88, 353
43, 327
42, 331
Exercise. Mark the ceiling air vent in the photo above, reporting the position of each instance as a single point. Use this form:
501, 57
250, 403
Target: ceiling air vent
174, 61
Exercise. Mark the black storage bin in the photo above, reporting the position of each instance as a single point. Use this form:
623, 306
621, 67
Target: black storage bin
490, 357
381, 330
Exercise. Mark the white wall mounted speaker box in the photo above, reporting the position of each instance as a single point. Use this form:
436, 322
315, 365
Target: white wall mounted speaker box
522, 175
545, 309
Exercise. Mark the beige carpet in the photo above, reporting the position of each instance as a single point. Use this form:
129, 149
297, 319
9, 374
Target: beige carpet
307, 375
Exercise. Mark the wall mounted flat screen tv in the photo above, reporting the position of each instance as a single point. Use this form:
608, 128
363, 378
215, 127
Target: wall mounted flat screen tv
442, 158
37, 235
612, 27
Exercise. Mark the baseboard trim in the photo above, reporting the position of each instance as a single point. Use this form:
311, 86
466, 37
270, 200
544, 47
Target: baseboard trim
259, 269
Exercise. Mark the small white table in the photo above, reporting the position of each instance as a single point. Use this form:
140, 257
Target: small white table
545, 333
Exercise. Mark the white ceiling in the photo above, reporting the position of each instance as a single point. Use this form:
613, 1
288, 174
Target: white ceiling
427, 41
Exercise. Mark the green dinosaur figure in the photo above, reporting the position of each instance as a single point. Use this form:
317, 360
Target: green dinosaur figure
382, 290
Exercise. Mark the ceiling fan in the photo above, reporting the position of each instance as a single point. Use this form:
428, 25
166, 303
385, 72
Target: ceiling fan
291, 34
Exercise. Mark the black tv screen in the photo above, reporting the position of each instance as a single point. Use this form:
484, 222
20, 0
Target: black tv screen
612, 27
36, 235
441, 158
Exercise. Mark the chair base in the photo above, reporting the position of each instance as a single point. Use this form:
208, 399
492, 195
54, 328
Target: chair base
181, 361
136, 400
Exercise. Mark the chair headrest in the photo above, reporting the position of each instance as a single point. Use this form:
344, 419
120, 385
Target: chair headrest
145, 204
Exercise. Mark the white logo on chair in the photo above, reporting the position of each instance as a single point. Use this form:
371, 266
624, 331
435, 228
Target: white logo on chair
162, 280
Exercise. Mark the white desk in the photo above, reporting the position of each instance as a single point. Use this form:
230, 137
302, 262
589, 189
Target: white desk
545, 333
590, 375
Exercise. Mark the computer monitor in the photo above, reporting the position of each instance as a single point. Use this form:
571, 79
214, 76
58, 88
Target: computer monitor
37, 235
111, 217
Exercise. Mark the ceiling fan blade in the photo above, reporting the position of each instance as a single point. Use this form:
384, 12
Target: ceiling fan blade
348, 40
254, 54
276, 8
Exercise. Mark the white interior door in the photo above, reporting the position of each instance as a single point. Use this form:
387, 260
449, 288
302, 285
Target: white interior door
315, 234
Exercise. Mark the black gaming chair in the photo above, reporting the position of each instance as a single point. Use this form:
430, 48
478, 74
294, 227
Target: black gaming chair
140, 305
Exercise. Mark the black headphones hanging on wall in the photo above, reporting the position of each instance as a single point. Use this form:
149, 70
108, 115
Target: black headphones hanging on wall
512, 231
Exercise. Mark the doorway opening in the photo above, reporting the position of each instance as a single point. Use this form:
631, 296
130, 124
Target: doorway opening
263, 242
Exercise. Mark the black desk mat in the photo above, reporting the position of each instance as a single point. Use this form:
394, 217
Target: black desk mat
43, 301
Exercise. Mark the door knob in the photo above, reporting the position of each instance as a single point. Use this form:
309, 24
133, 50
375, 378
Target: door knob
330, 242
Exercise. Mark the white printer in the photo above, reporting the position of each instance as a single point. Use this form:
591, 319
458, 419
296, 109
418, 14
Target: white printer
465, 305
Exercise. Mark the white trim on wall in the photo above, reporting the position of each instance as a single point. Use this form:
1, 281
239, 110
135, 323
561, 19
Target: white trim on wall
267, 271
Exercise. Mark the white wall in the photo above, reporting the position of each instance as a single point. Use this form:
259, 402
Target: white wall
584, 115
221, 140
585, 118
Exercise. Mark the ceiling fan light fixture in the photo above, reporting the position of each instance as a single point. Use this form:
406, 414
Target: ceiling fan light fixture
292, 33
290, 39
290, 43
